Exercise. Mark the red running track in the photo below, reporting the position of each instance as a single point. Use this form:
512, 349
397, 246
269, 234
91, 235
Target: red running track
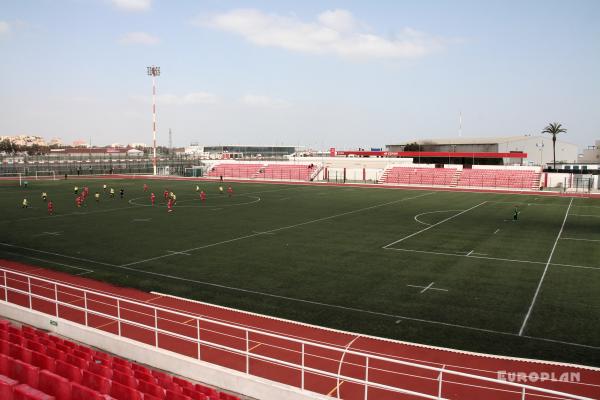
384, 372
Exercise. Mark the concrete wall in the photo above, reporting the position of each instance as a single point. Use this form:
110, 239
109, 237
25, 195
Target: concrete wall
214, 375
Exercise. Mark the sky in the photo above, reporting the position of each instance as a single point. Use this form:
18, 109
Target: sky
320, 74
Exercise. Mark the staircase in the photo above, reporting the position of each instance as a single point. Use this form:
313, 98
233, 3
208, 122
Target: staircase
455, 178
383, 176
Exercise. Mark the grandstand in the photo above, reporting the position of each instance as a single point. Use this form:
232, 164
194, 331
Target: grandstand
406, 175
35, 365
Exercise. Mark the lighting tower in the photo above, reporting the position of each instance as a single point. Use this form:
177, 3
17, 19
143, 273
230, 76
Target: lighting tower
154, 71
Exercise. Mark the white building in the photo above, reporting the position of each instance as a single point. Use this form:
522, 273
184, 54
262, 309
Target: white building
591, 154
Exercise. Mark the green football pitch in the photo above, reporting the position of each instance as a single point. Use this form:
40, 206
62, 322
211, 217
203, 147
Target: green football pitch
441, 268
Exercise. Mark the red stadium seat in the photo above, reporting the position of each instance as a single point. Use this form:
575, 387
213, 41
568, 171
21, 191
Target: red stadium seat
55, 385
23, 372
122, 392
7, 386
171, 395
206, 390
124, 379
35, 346
68, 371
183, 383
150, 388
141, 376
194, 394
122, 368
80, 392
101, 370
4, 364
25, 392
76, 361
55, 353
96, 382
42, 361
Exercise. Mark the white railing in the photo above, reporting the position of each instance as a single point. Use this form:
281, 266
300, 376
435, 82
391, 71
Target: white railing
376, 374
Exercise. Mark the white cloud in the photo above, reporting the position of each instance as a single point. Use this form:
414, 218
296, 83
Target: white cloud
4, 28
333, 32
187, 99
254, 100
132, 5
139, 38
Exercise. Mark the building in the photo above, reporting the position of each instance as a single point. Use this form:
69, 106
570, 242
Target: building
537, 148
591, 154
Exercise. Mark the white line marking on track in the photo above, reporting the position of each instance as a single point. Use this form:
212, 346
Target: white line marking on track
537, 291
339, 383
432, 226
280, 229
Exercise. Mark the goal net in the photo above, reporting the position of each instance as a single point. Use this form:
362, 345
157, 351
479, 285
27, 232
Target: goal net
45, 175
11, 179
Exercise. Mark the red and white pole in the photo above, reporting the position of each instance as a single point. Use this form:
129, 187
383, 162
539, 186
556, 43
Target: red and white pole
154, 124
154, 71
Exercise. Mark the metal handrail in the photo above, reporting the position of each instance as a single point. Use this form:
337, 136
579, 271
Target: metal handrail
301, 367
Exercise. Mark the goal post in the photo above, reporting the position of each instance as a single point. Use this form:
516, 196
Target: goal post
11, 179
45, 175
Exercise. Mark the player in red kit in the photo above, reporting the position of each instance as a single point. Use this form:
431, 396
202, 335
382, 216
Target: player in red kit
230, 191
145, 187
152, 198
78, 201
166, 194
50, 207
202, 196
170, 205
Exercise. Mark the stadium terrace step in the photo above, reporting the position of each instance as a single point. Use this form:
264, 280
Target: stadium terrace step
32, 368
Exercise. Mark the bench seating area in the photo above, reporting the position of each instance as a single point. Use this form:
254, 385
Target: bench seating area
517, 179
420, 176
37, 366
295, 172
234, 170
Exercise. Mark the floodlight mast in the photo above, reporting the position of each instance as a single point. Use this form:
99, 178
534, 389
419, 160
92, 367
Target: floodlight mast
154, 71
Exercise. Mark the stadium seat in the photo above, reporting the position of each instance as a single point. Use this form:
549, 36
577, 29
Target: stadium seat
96, 382
171, 395
150, 388
122, 392
80, 392
194, 394
68, 371
7, 386
35, 346
42, 361
141, 376
23, 372
25, 392
100, 370
55, 385
56, 354
124, 379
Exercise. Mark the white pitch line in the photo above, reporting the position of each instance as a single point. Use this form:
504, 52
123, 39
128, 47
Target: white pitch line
279, 229
183, 253
537, 291
438, 253
586, 215
431, 212
57, 254
86, 271
433, 226
585, 240
496, 231
469, 253
69, 214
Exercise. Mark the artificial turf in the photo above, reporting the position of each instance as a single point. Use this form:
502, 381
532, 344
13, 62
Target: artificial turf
342, 257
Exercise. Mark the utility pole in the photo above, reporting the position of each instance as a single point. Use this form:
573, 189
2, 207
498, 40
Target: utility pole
153, 71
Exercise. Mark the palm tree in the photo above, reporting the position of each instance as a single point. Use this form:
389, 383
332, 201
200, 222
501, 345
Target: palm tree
554, 128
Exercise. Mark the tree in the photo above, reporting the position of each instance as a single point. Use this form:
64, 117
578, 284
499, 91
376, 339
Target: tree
554, 128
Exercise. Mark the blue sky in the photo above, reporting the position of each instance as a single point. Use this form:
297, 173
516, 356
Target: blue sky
314, 73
